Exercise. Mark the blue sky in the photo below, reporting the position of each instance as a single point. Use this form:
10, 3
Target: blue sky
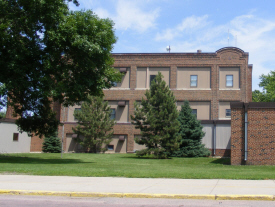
188, 25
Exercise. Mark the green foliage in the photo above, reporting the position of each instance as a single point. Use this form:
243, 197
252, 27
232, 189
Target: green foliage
51, 144
268, 85
258, 96
34, 35
156, 117
191, 133
94, 125
2, 114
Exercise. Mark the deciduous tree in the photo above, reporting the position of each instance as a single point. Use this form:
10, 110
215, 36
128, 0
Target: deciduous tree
268, 84
48, 53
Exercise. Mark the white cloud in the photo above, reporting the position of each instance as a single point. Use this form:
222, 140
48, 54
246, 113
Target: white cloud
188, 25
254, 35
129, 15
102, 13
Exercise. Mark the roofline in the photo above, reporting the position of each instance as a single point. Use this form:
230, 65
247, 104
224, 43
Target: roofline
185, 53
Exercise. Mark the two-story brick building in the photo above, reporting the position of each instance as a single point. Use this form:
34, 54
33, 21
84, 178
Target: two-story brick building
209, 81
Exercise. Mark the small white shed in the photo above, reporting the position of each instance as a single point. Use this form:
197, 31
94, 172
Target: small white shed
11, 140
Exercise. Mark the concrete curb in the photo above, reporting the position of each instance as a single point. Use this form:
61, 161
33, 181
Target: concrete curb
139, 195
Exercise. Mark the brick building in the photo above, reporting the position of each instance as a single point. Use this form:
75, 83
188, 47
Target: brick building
253, 133
209, 81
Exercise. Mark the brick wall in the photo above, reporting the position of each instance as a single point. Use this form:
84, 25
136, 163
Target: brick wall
260, 133
36, 144
225, 57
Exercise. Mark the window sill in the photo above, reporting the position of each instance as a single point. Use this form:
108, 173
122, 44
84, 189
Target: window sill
123, 123
118, 88
141, 89
230, 89
193, 89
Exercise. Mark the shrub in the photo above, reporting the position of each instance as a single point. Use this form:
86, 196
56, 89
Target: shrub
51, 144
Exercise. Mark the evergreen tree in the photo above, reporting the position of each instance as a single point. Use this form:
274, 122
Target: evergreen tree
191, 134
156, 117
94, 125
51, 144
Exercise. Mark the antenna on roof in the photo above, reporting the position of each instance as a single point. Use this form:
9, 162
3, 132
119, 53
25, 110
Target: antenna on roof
228, 37
168, 48
236, 41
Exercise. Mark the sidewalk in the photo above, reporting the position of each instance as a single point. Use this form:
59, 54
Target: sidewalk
138, 187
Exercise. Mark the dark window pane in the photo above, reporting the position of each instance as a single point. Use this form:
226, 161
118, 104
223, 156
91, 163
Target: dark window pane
228, 112
76, 109
194, 111
113, 113
110, 147
152, 77
15, 137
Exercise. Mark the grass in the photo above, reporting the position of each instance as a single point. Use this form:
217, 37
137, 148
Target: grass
129, 165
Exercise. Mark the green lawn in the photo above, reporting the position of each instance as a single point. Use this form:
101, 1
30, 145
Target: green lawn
128, 165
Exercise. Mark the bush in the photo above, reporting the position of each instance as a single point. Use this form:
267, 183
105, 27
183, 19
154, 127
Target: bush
51, 144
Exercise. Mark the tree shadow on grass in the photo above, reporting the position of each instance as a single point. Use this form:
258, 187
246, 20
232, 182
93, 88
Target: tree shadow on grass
145, 158
221, 161
35, 160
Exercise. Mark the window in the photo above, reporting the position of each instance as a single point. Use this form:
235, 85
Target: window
228, 112
15, 137
152, 77
113, 113
229, 80
114, 84
193, 81
194, 111
110, 147
75, 110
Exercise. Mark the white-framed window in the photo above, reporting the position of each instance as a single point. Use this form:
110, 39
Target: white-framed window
152, 77
193, 80
76, 109
113, 113
229, 80
195, 111
228, 112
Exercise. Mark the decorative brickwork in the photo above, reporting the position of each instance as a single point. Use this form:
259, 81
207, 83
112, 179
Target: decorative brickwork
260, 134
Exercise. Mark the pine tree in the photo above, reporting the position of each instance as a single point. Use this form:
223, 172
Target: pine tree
156, 117
94, 127
191, 134
51, 144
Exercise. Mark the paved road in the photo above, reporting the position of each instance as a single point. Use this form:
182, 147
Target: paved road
42, 201
137, 187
